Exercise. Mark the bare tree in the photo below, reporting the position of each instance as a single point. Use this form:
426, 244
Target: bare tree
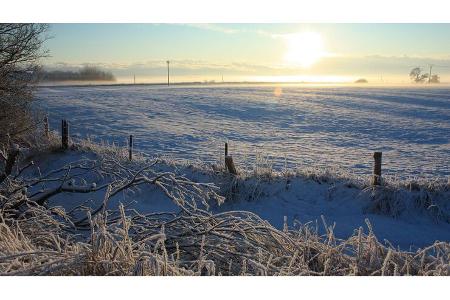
21, 47
435, 79
417, 76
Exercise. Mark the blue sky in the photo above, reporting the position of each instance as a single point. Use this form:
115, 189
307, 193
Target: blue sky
252, 51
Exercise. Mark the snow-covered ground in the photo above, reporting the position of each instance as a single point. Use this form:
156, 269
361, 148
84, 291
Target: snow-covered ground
297, 127
301, 199
337, 127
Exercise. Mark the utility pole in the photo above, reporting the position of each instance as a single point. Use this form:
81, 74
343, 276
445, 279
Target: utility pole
168, 73
429, 75
222, 78
134, 78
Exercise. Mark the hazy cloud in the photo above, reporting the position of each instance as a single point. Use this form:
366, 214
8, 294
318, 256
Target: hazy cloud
212, 27
353, 66
227, 30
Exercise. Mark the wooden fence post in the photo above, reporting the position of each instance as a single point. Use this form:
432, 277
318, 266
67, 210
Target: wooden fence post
376, 176
229, 164
46, 127
226, 153
65, 134
10, 161
130, 148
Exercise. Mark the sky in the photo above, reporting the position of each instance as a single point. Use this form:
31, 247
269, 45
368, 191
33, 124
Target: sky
381, 53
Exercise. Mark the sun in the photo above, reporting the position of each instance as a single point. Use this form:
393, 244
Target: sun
304, 48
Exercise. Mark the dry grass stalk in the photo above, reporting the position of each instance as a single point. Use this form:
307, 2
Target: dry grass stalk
39, 240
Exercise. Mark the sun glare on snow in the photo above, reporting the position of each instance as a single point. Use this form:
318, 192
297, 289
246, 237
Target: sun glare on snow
277, 92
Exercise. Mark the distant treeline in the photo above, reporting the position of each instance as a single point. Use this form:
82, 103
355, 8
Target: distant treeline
87, 73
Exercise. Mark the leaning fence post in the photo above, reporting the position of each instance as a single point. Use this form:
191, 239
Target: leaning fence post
376, 176
65, 134
229, 164
130, 147
46, 127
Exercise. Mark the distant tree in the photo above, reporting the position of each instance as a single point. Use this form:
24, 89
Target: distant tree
94, 73
87, 73
361, 80
417, 76
435, 79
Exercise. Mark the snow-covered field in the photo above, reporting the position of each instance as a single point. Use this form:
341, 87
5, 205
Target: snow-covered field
296, 126
106, 215
296, 200
336, 127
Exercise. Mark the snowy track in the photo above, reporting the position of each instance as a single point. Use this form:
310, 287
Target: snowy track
320, 127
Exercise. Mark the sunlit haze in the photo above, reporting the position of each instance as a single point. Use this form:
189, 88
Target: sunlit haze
380, 53
304, 48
